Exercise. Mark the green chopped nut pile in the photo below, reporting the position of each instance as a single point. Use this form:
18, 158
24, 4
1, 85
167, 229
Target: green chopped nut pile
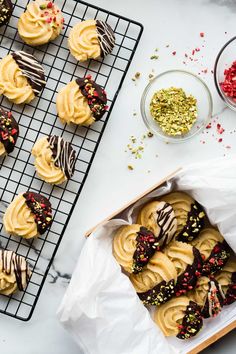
174, 111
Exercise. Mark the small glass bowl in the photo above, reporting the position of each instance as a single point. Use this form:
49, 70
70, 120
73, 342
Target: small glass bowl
224, 60
191, 84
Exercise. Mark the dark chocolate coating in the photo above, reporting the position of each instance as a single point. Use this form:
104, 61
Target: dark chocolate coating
41, 208
187, 280
217, 259
63, 155
194, 224
146, 245
191, 323
32, 69
9, 130
15, 264
230, 295
95, 94
6, 9
217, 300
166, 223
159, 294
106, 37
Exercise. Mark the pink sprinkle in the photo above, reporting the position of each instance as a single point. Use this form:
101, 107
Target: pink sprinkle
202, 34
220, 140
174, 53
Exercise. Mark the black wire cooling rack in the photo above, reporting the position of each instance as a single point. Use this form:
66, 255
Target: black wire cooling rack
37, 119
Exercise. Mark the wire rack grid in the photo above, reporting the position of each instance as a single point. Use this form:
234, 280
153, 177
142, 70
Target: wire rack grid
39, 118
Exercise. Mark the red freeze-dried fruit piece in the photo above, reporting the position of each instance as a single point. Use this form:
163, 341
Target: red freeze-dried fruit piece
228, 86
219, 128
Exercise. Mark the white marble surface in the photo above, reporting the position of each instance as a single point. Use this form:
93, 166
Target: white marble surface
110, 184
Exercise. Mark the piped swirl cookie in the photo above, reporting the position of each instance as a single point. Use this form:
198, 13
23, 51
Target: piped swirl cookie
91, 39
54, 159
28, 215
133, 246
179, 317
189, 215
14, 272
81, 102
188, 264
6, 9
41, 23
227, 279
209, 296
21, 77
155, 284
9, 131
214, 250
159, 217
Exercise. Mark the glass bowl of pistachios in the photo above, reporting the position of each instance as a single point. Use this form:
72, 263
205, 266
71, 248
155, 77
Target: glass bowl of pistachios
176, 105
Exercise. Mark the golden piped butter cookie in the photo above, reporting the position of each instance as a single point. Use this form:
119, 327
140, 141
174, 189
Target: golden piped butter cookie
91, 39
14, 272
28, 215
81, 102
9, 131
21, 77
133, 246
214, 250
155, 284
159, 217
227, 279
54, 159
188, 263
189, 215
41, 23
209, 296
179, 317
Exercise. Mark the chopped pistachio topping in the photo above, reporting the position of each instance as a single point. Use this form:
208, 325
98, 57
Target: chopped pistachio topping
154, 57
174, 111
150, 76
136, 76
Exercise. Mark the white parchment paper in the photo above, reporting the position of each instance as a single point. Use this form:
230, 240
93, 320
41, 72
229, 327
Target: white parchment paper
101, 308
